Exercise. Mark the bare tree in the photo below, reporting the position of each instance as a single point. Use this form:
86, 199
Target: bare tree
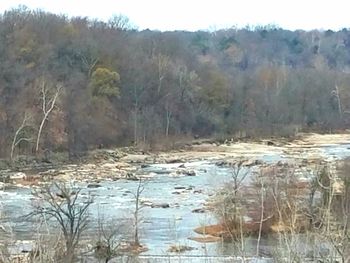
229, 202
19, 135
163, 62
336, 94
138, 207
168, 119
120, 22
60, 202
262, 199
334, 210
48, 104
108, 240
90, 63
238, 175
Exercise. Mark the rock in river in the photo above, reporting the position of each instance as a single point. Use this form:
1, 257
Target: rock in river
161, 205
198, 210
190, 173
179, 187
94, 186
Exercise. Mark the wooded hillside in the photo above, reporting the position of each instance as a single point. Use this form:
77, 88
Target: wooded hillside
72, 84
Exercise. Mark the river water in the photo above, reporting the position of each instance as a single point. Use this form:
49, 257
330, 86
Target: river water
114, 201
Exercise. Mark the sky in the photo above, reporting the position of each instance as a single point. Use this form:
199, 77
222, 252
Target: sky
192, 15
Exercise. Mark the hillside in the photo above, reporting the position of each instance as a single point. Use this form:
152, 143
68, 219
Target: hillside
73, 84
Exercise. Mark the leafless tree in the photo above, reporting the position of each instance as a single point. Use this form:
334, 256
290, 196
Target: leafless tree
229, 203
336, 94
60, 203
335, 208
109, 240
120, 22
90, 63
19, 135
48, 104
238, 175
163, 62
138, 207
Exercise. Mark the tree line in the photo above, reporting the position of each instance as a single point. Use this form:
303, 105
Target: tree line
74, 84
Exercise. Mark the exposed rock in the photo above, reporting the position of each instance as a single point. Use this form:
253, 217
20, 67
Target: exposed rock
190, 173
131, 177
174, 160
179, 187
198, 210
250, 163
270, 143
94, 185
19, 175
134, 158
161, 205
281, 163
146, 202
221, 163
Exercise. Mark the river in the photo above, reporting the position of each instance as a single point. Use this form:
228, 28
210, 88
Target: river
159, 227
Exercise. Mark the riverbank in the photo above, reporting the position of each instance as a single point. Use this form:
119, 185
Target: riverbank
125, 163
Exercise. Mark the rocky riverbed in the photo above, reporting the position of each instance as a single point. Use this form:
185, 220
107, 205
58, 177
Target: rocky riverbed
178, 185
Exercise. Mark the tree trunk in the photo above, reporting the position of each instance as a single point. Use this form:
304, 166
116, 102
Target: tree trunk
340, 108
39, 132
168, 117
47, 108
135, 125
139, 190
15, 140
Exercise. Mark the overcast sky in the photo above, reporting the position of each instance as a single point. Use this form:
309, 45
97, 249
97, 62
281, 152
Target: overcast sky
204, 14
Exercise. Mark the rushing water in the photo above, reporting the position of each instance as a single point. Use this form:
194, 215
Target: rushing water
114, 201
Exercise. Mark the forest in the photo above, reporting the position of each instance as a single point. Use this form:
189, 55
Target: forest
71, 84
